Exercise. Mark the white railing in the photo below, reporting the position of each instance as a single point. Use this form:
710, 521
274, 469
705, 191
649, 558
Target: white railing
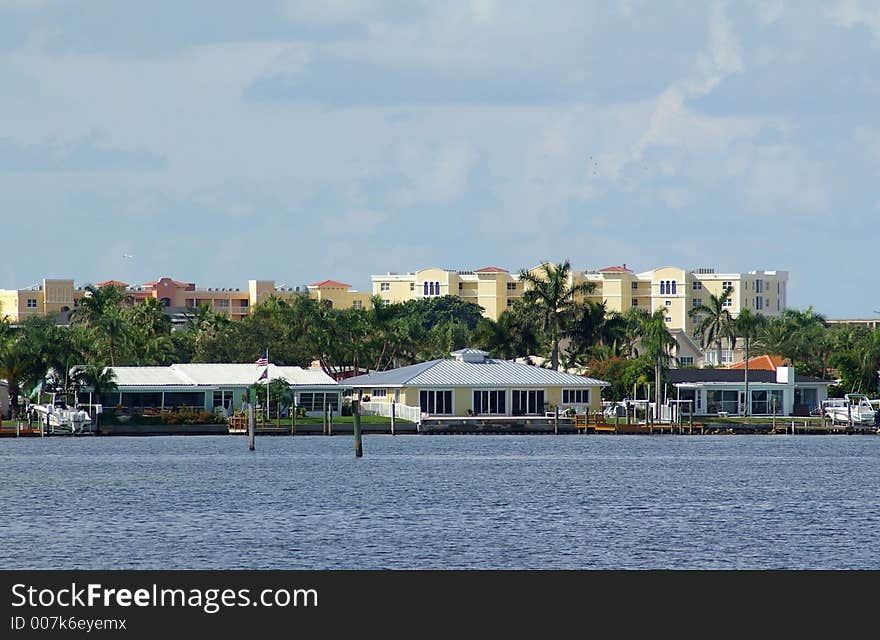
404, 411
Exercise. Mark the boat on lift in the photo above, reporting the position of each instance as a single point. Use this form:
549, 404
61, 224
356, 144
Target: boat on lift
854, 408
60, 418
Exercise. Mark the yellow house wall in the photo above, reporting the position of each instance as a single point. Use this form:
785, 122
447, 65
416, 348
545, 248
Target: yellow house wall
677, 309
57, 294
463, 397
342, 298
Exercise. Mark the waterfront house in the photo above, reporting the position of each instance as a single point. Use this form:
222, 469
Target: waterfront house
472, 384
215, 386
778, 390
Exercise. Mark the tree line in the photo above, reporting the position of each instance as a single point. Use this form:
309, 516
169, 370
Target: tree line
552, 321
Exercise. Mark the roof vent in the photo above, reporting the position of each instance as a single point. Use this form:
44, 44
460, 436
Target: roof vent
469, 355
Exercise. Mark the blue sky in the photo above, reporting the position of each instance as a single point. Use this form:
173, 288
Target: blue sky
217, 142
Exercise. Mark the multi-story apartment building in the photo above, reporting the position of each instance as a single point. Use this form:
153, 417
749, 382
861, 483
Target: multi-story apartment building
492, 288
679, 290
674, 289
52, 297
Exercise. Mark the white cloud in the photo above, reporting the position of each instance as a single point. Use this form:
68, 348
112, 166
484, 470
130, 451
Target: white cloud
853, 13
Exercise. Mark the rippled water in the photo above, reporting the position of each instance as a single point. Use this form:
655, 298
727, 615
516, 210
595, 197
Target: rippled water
432, 502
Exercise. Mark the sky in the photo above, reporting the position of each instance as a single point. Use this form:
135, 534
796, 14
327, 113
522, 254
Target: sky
216, 142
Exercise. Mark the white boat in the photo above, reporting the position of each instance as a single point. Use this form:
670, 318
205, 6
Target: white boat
853, 408
61, 418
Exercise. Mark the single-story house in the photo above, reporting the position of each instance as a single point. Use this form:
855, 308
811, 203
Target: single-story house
211, 386
471, 383
780, 391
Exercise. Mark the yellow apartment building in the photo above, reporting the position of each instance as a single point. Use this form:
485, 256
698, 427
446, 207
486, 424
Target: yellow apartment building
49, 297
492, 288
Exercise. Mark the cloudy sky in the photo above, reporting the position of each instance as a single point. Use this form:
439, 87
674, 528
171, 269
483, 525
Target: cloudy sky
297, 140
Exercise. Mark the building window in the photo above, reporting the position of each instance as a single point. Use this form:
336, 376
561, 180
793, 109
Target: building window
435, 402
385, 302
412, 286
575, 396
686, 361
766, 402
667, 319
511, 286
635, 302
490, 401
669, 303
509, 304
698, 286
777, 305
727, 284
728, 302
221, 303
635, 285
673, 287
460, 286
379, 393
663, 287
697, 302
759, 286
722, 400
318, 401
242, 303
425, 289
436, 288
527, 401
357, 304
31, 303
384, 286
759, 302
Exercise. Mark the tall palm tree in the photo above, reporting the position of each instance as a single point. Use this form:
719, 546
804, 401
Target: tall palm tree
100, 379
715, 322
657, 343
551, 290
13, 367
747, 326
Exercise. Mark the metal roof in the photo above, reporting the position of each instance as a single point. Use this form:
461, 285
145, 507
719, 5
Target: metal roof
197, 375
454, 373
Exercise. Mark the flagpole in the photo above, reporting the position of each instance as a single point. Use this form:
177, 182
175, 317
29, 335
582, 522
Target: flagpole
266, 414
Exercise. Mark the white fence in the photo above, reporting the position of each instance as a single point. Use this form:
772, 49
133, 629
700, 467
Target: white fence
404, 411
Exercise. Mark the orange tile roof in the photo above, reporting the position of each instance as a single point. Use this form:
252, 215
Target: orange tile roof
107, 283
616, 269
761, 363
330, 283
491, 270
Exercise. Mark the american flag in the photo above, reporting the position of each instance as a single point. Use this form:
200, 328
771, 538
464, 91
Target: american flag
264, 360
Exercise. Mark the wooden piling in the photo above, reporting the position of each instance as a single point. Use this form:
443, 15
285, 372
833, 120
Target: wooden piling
356, 420
556, 422
293, 419
252, 428
393, 411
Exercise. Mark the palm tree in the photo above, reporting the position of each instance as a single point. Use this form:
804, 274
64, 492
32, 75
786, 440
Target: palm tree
13, 369
747, 326
551, 291
657, 343
715, 322
99, 378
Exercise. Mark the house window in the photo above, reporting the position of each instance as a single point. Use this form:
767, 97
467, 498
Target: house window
697, 302
384, 286
242, 303
575, 396
727, 284
698, 286
379, 393
490, 401
635, 302
663, 287
424, 288
436, 288
318, 401
460, 286
509, 304
728, 302
667, 319
722, 400
673, 287
412, 286
31, 303
436, 402
511, 286
759, 286
759, 302
357, 304
527, 401
635, 285
686, 361
766, 402
385, 302
669, 303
